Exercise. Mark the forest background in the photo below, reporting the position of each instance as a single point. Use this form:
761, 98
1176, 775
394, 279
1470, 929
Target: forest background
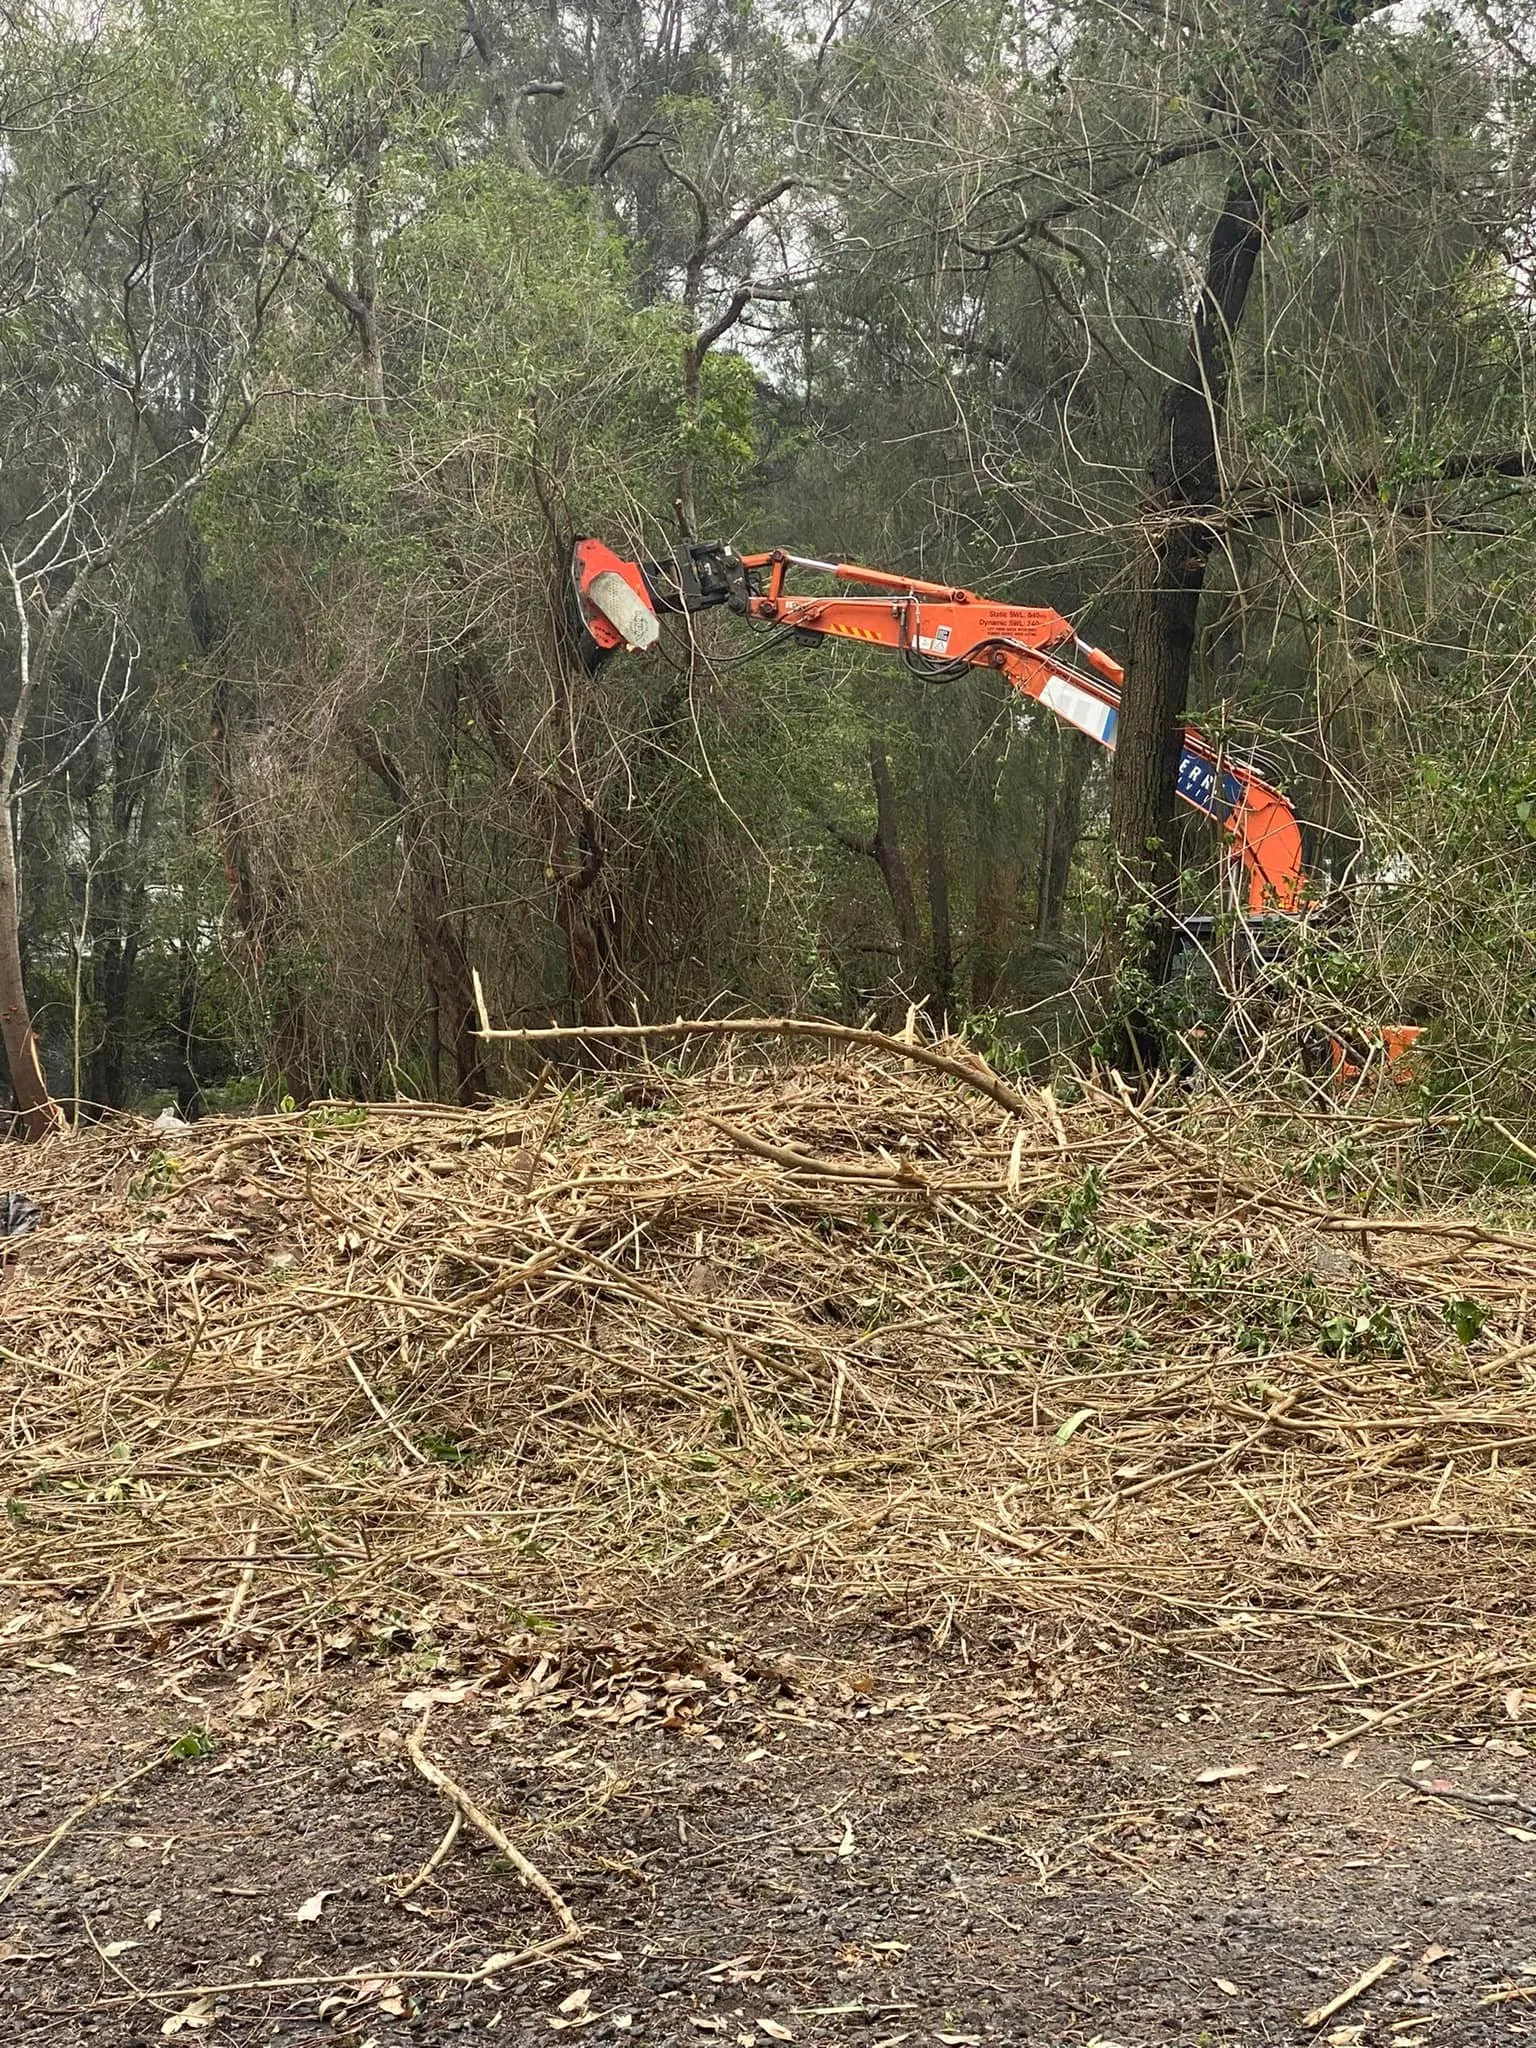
324, 327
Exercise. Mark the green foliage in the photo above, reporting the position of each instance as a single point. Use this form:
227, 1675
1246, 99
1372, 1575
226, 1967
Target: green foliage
156, 1179
1466, 1318
1069, 1218
192, 1746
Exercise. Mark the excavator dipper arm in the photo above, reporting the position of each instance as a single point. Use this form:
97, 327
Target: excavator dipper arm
937, 629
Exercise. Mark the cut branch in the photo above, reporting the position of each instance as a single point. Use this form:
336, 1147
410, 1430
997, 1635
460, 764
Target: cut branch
971, 1071
482, 1823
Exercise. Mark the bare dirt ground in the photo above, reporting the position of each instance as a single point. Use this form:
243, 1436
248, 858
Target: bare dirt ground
901, 1844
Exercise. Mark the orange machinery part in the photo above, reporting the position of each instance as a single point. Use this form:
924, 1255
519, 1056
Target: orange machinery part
943, 623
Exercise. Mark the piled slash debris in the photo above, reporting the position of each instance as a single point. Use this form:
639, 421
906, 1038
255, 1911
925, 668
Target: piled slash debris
846, 1338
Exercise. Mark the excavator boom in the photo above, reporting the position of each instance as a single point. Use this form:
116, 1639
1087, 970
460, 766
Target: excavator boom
938, 629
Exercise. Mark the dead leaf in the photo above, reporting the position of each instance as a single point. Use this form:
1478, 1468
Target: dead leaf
1514, 1703
849, 1842
453, 1695
962, 2040
313, 1907
580, 1997
117, 1948
1225, 1984
198, 2014
706, 2023
1221, 1774
737, 1970
775, 2031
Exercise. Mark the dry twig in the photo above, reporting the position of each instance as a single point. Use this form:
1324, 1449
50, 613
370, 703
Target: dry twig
483, 1824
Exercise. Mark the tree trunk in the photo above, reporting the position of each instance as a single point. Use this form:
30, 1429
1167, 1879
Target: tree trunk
998, 858
590, 951
258, 894
231, 829
941, 935
448, 973
997, 906
1063, 829
1180, 524
116, 957
189, 1087
38, 1111
693, 420
886, 848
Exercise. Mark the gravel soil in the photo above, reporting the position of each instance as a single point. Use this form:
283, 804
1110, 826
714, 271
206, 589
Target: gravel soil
895, 1844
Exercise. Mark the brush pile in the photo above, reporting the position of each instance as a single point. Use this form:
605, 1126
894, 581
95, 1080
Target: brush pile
846, 1340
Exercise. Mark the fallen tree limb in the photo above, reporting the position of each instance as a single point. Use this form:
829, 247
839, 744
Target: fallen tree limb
972, 1073
903, 1172
481, 1821
436, 1859
18, 1878
360, 1975
900, 1173
1351, 1992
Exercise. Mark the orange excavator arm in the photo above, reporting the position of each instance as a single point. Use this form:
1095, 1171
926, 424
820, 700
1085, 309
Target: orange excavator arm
935, 627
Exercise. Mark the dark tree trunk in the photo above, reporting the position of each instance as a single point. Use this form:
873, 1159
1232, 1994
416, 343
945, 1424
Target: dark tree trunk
940, 930
585, 908
589, 937
116, 958
189, 1087
577, 863
1063, 829
997, 906
999, 861
886, 849
38, 1111
231, 830
1180, 525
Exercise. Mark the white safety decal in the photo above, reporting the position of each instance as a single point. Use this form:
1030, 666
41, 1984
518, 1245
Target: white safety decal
1081, 708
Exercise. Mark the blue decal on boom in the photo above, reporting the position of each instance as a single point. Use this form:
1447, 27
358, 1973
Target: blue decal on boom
1215, 791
